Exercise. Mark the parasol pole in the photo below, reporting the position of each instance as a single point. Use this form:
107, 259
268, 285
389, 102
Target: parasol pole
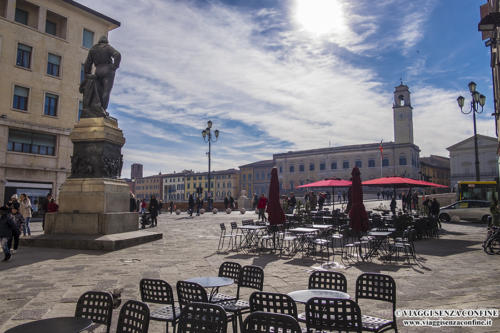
333, 198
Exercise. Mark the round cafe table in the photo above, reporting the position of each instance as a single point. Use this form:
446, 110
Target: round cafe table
53, 325
213, 282
303, 296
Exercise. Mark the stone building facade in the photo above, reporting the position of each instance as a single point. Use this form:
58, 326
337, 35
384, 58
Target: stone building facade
148, 186
174, 186
43, 44
224, 182
462, 159
398, 158
435, 169
255, 177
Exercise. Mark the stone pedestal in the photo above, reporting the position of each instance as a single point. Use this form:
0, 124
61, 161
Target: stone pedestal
244, 202
92, 201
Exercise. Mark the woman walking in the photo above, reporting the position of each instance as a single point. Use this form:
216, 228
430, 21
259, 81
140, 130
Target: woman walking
153, 210
25, 208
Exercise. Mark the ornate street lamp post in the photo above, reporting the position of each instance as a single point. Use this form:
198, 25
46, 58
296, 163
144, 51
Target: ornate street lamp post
207, 137
477, 100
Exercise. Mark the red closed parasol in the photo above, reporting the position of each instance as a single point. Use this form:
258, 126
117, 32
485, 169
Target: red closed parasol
274, 210
357, 214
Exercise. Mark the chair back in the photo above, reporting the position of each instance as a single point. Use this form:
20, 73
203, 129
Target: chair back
247, 222
156, 291
222, 227
251, 277
234, 225
328, 280
333, 314
96, 306
273, 302
230, 270
261, 322
133, 318
189, 292
202, 318
376, 286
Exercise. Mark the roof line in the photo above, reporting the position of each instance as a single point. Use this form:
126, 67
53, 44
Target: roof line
92, 11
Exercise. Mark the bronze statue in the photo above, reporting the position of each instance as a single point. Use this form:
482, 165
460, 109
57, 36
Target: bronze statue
96, 88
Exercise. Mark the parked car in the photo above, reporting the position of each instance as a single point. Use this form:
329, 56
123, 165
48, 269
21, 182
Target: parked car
468, 210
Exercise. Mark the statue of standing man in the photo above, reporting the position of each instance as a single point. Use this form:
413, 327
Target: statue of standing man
96, 88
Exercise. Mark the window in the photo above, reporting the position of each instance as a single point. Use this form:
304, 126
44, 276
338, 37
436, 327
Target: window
333, 166
345, 164
401, 100
20, 98
359, 164
385, 162
50, 105
88, 39
249, 177
292, 168
281, 169
311, 167
244, 177
53, 64
21, 16
322, 166
301, 168
371, 163
51, 27
402, 160
80, 108
23, 55
31, 143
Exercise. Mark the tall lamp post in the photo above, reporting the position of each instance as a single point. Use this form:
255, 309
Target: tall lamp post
207, 137
477, 100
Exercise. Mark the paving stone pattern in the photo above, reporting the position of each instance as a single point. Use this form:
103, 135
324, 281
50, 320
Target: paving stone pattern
454, 272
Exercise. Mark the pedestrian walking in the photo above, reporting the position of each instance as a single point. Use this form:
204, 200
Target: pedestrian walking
198, 205
25, 209
261, 206
226, 202
378, 195
7, 229
435, 211
154, 207
143, 206
393, 206
133, 203
343, 196
231, 201
255, 201
313, 200
321, 200
52, 206
13, 242
339, 197
190, 205
171, 207
292, 201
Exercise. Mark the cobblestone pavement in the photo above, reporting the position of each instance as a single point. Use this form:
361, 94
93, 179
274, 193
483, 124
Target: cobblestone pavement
454, 272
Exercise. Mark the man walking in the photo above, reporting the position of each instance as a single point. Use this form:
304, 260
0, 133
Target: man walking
261, 206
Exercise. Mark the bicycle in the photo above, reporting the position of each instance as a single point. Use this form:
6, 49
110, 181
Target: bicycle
492, 243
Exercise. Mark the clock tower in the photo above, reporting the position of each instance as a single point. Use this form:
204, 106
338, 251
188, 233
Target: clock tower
403, 115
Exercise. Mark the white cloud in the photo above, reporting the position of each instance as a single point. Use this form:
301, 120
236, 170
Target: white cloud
267, 93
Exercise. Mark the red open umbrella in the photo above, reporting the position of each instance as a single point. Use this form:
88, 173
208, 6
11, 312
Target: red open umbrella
329, 183
274, 210
357, 214
393, 182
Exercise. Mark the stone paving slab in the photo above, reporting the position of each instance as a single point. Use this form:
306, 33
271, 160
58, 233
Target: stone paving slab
453, 272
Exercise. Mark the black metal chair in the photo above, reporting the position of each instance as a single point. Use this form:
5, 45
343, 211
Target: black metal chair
333, 314
230, 270
190, 292
96, 306
133, 318
224, 235
328, 280
264, 322
273, 302
160, 292
203, 318
378, 287
250, 277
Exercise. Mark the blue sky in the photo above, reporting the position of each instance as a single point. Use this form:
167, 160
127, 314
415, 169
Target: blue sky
275, 76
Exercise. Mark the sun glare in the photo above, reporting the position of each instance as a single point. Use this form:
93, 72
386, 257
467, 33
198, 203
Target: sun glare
320, 16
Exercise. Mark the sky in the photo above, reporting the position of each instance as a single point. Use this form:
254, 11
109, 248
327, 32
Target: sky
281, 75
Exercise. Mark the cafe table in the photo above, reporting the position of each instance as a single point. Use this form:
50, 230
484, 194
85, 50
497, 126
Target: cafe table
250, 234
53, 325
213, 282
303, 296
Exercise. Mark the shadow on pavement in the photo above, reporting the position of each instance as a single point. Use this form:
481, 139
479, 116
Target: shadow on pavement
446, 247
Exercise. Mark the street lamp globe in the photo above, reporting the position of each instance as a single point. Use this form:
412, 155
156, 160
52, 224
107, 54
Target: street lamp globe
216, 133
461, 101
204, 133
482, 100
209, 124
472, 86
475, 95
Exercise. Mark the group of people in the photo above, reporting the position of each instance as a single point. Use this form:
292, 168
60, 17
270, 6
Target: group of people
317, 200
15, 218
154, 207
384, 194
